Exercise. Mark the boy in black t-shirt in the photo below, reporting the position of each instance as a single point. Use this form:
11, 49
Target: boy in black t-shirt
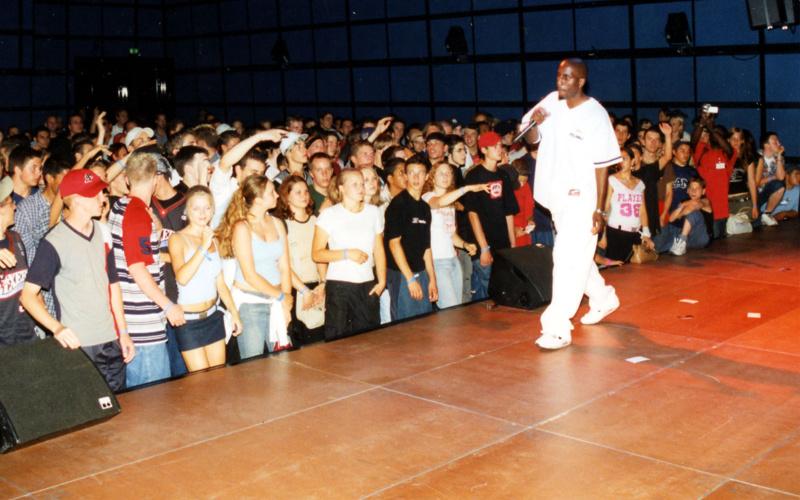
491, 214
407, 234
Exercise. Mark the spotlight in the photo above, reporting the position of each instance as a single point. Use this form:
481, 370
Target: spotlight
280, 53
456, 43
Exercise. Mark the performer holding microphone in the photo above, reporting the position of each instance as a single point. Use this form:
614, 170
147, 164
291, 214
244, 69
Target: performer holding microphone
577, 147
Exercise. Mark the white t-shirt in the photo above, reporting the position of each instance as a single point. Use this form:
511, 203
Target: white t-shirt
222, 187
574, 142
443, 225
348, 230
626, 205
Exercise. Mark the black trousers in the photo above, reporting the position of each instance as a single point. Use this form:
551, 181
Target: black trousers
349, 308
108, 359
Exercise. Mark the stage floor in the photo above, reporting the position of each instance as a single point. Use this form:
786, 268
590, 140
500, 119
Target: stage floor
462, 404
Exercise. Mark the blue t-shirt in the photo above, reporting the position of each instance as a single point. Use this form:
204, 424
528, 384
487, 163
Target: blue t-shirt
789, 202
680, 186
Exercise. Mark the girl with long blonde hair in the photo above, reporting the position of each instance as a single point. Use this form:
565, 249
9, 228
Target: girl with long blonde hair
262, 283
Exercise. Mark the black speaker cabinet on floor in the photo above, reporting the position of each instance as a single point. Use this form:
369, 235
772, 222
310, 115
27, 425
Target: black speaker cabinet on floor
522, 277
46, 389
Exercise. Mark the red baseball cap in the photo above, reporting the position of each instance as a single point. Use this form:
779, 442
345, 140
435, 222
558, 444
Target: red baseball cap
82, 182
488, 140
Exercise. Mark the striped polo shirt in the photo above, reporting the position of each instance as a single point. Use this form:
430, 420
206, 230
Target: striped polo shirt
135, 240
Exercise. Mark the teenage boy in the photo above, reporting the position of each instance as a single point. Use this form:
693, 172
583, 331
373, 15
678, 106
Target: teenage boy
75, 261
244, 163
137, 241
293, 147
689, 222
17, 324
491, 214
770, 173
169, 207
783, 204
33, 213
321, 174
409, 262
25, 167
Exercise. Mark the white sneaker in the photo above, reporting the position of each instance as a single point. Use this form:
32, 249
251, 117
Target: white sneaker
596, 315
678, 247
547, 341
768, 220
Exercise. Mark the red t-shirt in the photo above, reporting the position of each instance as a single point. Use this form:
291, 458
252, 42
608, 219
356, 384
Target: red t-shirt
716, 169
137, 229
525, 202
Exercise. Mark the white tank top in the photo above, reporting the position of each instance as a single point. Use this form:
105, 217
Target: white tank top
626, 205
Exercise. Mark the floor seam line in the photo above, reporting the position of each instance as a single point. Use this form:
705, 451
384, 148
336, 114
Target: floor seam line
207, 440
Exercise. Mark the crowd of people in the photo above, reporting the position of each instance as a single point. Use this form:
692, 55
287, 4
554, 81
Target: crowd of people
152, 247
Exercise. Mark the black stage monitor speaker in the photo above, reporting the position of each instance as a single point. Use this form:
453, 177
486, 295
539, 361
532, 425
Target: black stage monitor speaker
772, 13
522, 277
677, 30
46, 389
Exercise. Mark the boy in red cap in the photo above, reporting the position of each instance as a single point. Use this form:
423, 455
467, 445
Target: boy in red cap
74, 260
491, 214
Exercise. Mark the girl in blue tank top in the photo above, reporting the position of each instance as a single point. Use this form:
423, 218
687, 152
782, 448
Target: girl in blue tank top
198, 271
251, 235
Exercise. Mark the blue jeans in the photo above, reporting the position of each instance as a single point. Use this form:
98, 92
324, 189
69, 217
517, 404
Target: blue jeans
176, 364
151, 363
403, 306
697, 238
480, 279
720, 228
449, 281
386, 307
255, 330
465, 260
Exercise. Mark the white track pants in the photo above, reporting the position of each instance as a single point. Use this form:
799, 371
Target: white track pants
574, 270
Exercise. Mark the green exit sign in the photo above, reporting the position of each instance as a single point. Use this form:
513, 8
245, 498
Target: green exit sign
134, 51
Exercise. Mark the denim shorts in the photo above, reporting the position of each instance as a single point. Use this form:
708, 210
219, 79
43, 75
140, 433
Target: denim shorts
201, 332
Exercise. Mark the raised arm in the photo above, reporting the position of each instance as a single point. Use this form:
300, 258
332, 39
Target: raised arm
451, 197
666, 129
236, 153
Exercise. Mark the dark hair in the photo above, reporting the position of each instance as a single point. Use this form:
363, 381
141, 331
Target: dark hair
114, 148
253, 154
390, 166
623, 123
419, 160
318, 156
697, 179
226, 136
207, 134
765, 138
54, 166
654, 130
186, 155
77, 145
20, 155
390, 153
40, 129
283, 210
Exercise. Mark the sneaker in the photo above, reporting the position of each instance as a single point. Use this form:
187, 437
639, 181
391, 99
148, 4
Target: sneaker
547, 341
768, 220
596, 315
678, 247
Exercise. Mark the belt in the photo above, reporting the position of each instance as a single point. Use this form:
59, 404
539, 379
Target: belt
626, 228
201, 315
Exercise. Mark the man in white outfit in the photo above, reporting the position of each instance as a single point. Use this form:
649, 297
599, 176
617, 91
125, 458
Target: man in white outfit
577, 147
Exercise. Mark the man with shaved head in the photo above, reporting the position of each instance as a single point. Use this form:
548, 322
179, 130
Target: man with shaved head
577, 145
